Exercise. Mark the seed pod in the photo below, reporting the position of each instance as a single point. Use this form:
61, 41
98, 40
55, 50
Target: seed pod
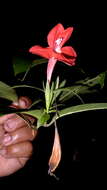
56, 153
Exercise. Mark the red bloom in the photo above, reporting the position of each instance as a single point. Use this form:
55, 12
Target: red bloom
56, 39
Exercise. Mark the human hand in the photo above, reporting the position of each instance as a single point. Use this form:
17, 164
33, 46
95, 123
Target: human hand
15, 141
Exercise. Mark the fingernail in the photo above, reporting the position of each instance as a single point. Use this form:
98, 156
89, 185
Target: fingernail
15, 105
24, 102
10, 123
3, 151
7, 139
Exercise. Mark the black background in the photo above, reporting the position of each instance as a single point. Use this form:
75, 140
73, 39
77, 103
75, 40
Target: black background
81, 134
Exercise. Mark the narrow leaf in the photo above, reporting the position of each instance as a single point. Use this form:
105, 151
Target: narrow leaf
82, 108
47, 96
57, 93
35, 103
78, 109
85, 86
27, 86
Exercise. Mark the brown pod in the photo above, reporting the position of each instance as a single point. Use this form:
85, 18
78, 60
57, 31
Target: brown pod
56, 153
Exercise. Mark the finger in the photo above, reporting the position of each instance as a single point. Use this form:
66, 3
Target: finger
11, 165
5, 118
19, 150
13, 123
23, 102
1, 134
1, 131
10, 125
20, 135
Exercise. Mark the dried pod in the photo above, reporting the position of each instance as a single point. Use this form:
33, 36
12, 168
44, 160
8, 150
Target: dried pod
56, 153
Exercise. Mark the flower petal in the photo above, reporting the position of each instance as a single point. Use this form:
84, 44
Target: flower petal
68, 61
38, 50
66, 34
54, 34
69, 51
67, 56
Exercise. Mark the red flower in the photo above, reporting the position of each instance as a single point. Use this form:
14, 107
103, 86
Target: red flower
56, 39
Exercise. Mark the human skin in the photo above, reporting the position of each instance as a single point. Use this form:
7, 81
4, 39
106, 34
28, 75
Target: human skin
15, 141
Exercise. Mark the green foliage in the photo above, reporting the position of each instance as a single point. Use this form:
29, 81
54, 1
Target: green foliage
21, 65
27, 86
41, 115
7, 92
86, 86
82, 108
48, 95
34, 113
43, 119
55, 95
78, 109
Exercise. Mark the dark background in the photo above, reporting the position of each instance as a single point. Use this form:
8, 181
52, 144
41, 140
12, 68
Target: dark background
81, 134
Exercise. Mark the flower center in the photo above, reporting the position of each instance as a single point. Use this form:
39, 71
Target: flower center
58, 41
57, 45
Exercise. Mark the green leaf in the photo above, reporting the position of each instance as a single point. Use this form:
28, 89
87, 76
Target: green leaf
85, 86
34, 63
102, 77
57, 86
78, 109
82, 108
27, 86
35, 103
38, 62
51, 93
34, 113
48, 95
43, 119
21, 65
7, 92
98, 80
41, 116
69, 92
